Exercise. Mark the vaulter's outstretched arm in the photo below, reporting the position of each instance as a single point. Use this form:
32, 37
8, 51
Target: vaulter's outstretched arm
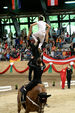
47, 31
48, 27
30, 30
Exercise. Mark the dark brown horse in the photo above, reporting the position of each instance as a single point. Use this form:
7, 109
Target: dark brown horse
35, 100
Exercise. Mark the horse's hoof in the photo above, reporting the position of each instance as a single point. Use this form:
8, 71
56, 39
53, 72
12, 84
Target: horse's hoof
47, 105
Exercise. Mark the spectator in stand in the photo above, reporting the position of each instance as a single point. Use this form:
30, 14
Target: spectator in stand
72, 49
55, 54
68, 52
58, 54
67, 35
21, 41
9, 41
6, 45
13, 52
0, 51
63, 34
64, 53
52, 53
17, 42
7, 56
74, 52
53, 47
58, 32
25, 36
53, 42
48, 49
54, 34
58, 42
67, 38
50, 44
62, 41
73, 39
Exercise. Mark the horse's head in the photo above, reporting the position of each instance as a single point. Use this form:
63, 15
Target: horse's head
43, 97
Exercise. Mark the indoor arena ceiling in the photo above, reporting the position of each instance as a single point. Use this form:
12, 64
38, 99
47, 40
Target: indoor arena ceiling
33, 7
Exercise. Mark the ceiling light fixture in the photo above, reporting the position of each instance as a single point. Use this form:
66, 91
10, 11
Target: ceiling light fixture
70, 2
5, 7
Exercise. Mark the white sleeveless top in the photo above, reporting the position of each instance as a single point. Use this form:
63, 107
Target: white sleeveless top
41, 26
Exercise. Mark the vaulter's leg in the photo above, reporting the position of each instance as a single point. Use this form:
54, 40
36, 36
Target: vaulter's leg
27, 88
23, 94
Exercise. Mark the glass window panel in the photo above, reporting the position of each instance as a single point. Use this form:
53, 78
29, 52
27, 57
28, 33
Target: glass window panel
64, 17
18, 19
24, 27
54, 25
33, 19
72, 16
72, 27
7, 21
53, 18
12, 29
7, 28
2, 21
65, 25
23, 20
11, 21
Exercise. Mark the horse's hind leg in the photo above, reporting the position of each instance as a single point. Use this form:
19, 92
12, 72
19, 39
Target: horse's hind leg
41, 112
26, 111
19, 104
19, 107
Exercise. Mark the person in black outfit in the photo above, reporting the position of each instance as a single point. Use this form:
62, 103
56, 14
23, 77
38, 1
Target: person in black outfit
33, 61
69, 73
35, 55
34, 48
38, 70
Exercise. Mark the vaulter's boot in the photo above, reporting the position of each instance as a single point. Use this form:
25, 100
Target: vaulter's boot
23, 97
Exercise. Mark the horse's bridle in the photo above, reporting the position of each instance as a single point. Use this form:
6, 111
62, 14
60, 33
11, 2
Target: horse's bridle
32, 101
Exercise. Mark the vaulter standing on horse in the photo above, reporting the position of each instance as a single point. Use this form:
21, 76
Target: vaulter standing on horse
42, 33
35, 54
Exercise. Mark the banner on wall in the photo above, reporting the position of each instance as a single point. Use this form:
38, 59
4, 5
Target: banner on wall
52, 2
16, 4
14, 59
48, 59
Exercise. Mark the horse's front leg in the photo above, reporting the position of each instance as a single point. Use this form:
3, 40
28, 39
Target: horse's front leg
26, 111
19, 108
41, 110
